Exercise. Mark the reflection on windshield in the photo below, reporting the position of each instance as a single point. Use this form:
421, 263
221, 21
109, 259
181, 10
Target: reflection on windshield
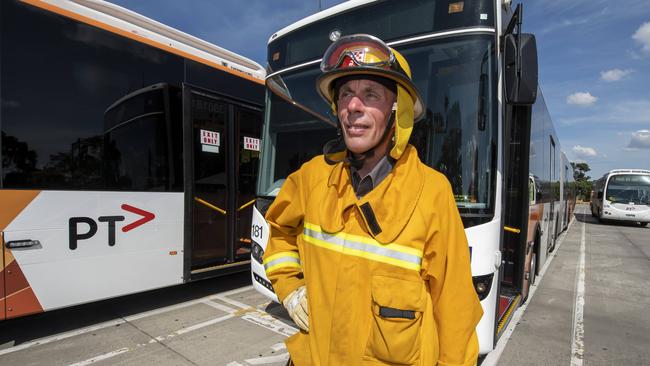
457, 80
628, 189
292, 135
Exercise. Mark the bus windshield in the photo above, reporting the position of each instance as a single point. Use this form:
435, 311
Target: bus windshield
456, 77
628, 189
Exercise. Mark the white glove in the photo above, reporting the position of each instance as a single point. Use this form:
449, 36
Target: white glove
296, 305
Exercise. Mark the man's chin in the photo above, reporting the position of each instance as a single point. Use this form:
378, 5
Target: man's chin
357, 150
357, 144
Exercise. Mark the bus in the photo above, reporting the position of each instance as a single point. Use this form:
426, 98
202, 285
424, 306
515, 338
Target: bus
622, 195
130, 155
567, 193
486, 127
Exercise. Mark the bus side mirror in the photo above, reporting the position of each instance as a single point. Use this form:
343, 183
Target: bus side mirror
520, 63
599, 195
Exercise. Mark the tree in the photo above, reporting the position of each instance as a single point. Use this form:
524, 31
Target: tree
582, 180
580, 171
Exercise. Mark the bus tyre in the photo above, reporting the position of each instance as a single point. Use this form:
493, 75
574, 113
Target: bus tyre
529, 278
554, 240
643, 224
533, 269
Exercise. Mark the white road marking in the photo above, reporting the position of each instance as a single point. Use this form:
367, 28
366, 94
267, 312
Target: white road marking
259, 317
230, 301
578, 345
269, 322
166, 309
101, 357
115, 322
203, 324
221, 307
267, 360
252, 315
492, 358
278, 346
62, 336
153, 340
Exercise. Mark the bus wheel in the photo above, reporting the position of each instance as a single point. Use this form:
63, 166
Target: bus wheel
643, 224
554, 240
533, 269
529, 278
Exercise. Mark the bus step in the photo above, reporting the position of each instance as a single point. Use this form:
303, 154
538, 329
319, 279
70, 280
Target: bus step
507, 306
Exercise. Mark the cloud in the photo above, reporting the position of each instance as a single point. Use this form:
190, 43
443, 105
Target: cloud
584, 152
622, 113
563, 24
615, 74
581, 99
640, 140
642, 35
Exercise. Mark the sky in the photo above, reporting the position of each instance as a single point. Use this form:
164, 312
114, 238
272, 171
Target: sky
594, 62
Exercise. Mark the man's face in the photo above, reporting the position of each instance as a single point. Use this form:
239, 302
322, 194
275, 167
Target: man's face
364, 107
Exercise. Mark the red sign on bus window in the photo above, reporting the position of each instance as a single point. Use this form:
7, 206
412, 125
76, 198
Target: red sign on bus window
251, 143
210, 138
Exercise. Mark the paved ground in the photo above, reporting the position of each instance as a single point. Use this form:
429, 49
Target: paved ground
599, 318
220, 321
589, 307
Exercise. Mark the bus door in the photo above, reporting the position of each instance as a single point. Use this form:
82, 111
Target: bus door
248, 122
222, 154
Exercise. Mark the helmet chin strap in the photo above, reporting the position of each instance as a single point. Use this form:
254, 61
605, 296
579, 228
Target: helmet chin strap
357, 162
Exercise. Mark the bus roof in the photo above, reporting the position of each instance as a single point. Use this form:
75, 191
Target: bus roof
350, 4
629, 171
130, 24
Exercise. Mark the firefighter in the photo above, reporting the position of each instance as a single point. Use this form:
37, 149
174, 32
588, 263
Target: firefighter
367, 250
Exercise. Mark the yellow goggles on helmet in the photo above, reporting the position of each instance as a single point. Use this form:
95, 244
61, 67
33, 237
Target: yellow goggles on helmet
358, 50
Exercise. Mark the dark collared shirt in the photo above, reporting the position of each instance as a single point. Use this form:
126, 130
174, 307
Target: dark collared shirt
364, 185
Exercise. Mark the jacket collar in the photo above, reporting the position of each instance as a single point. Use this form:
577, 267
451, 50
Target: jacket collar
386, 209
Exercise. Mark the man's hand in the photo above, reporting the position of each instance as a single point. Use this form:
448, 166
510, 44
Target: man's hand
296, 305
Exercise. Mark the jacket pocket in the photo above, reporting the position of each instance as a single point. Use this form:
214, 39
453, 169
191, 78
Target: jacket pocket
397, 307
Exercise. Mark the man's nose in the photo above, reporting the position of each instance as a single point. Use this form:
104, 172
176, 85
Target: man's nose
355, 104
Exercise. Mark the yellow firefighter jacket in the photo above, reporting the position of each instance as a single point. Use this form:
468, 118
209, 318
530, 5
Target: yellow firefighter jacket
387, 275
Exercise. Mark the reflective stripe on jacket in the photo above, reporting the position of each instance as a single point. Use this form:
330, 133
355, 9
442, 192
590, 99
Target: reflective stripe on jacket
388, 275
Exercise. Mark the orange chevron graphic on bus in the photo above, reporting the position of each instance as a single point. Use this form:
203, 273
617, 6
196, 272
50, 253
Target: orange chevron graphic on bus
16, 296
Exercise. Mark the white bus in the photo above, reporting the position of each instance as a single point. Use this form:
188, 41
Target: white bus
622, 195
567, 193
486, 128
130, 154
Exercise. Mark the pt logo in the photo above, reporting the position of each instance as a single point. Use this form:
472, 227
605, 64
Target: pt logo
75, 235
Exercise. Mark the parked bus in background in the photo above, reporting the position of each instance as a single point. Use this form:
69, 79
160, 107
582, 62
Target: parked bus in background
567, 193
129, 155
489, 138
622, 195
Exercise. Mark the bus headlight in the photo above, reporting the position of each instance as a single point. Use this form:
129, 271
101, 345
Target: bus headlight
257, 253
482, 285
